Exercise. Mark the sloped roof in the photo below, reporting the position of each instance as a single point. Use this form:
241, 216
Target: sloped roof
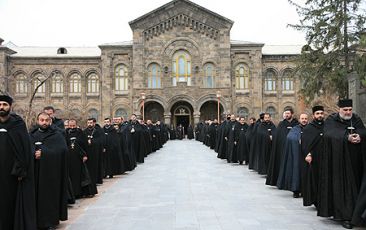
281, 49
171, 4
36, 51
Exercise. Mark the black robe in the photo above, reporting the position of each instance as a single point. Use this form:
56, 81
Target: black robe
279, 139
190, 134
341, 167
289, 177
125, 140
222, 133
114, 162
242, 149
136, 144
359, 214
78, 172
261, 147
198, 131
180, 133
311, 142
17, 203
94, 149
212, 130
248, 137
51, 178
232, 139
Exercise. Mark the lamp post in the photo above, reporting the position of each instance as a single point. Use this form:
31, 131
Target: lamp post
218, 95
143, 105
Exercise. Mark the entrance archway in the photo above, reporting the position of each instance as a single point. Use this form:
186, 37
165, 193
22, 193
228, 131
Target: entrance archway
154, 111
182, 114
208, 111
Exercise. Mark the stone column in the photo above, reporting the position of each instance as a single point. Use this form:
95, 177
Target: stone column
167, 119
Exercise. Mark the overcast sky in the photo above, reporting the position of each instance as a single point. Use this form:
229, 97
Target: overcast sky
92, 22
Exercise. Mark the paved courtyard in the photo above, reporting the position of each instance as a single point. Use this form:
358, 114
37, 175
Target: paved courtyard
184, 186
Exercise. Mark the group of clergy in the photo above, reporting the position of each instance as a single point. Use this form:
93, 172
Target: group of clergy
322, 160
44, 170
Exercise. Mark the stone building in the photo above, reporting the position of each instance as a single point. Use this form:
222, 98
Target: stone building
180, 67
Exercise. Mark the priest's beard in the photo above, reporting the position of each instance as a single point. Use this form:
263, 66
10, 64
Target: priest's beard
4, 113
344, 117
319, 120
44, 127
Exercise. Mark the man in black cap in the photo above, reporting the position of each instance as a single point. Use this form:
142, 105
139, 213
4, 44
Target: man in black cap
341, 164
17, 203
312, 147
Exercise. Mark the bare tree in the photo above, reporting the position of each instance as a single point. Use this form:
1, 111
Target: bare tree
28, 113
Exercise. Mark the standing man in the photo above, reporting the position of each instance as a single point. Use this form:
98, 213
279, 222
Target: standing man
312, 147
242, 150
50, 173
279, 139
290, 174
55, 121
232, 140
17, 199
341, 164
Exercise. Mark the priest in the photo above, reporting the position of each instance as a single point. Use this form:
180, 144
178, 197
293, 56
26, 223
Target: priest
17, 203
279, 139
312, 147
50, 173
242, 150
341, 164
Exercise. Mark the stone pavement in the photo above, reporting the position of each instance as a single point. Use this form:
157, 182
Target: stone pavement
184, 186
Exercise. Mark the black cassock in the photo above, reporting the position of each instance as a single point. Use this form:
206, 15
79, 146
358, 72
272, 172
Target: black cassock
94, 149
261, 146
198, 131
242, 150
180, 133
125, 140
137, 143
190, 134
249, 135
232, 138
275, 159
311, 142
212, 130
51, 178
114, 162
341, 167
78, 171
17, 202
172, 134
359, 214
222, 142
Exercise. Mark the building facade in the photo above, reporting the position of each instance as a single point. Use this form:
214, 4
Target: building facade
181, 67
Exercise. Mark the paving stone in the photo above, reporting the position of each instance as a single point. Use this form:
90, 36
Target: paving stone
184, 186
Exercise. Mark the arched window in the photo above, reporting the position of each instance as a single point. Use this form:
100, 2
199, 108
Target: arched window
93, 113
181, 68
243, 112
287, 80
93, 83
21, 84
57, 83
270, 81
242, 76
154, 78
75, 83
39, 80
209, 78
271, 110
121, 113
75, 114
121, 78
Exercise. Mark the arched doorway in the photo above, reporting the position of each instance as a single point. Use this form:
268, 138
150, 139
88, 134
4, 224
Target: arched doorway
154, 111
209, 111
182, 114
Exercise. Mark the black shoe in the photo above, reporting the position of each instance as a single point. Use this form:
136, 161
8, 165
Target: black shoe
240, 162
347, 224
296, 195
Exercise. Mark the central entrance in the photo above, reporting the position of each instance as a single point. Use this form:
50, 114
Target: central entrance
182, 114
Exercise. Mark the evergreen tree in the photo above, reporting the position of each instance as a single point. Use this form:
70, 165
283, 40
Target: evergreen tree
331, 27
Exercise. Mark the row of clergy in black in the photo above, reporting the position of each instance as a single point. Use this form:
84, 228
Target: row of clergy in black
45, 170
322, 161
180, 133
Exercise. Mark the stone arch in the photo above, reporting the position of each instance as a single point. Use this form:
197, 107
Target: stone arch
71, 72
92, 70
182, 45
271, 68
211, 97
181, 97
